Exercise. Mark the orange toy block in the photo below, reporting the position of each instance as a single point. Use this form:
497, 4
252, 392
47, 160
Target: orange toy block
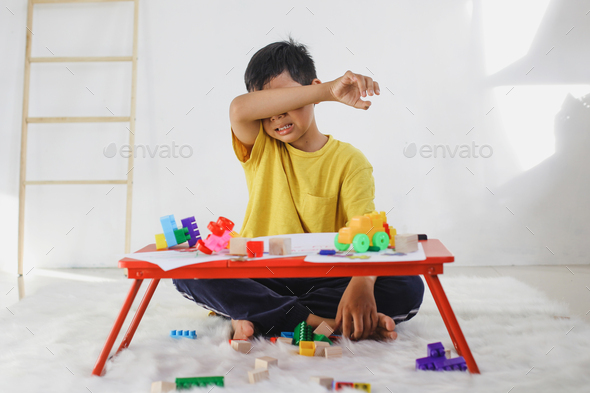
265, 362
324, 329
279, 246
257, 375
333, 352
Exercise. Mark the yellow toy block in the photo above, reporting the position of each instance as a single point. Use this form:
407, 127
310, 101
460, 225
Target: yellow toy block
392, 233
306, 348
362, 386
161, 242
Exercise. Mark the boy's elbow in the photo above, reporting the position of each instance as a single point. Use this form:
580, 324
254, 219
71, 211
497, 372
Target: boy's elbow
236, 111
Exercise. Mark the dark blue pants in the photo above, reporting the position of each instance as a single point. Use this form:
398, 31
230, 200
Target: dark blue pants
278, 305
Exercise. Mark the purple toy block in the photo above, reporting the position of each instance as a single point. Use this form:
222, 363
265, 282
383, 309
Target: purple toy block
327, 252
430, 363
193, 230
457, 363
435, 350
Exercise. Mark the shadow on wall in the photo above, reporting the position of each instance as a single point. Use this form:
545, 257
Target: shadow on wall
552, 200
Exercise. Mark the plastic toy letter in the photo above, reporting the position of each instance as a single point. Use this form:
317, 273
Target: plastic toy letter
193, 230
169, 225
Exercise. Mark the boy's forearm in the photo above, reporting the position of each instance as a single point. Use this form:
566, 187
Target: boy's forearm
263, 104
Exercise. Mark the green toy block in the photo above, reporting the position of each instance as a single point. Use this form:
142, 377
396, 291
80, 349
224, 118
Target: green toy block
181, 235
321, 337
187, 383
302, 332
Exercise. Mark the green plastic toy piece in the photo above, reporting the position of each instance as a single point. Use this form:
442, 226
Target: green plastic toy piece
321, 337
302, 332
340, 246
381, 240
187, 383
181, 235
361, 242
374, 248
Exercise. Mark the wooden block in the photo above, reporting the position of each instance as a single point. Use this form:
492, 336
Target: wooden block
324, 329
406, 243
237, 245
241, 345
319, 347
448, 353
257, 375
323, 381
265, 362
279, 246
163, 387
333, 352
285, 340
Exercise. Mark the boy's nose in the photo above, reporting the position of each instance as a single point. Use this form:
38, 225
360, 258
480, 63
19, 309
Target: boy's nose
278, 117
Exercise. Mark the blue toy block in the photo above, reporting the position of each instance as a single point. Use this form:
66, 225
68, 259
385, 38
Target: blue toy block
435, 350
192, 334
169, 225
193, 230
327, 252
287, 334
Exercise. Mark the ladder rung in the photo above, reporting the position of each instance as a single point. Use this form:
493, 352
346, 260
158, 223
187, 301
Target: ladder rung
96, 119
52, 182
79, 59
73, 1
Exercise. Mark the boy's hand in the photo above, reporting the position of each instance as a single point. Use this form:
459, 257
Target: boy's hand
357, 310
349, 88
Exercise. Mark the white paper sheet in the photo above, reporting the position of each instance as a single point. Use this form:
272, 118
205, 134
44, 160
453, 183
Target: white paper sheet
308, 244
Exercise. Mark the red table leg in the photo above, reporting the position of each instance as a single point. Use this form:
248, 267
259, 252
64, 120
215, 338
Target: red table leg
450, 321
139, 314
106, 350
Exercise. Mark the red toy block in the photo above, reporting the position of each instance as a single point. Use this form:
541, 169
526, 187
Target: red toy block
255, 249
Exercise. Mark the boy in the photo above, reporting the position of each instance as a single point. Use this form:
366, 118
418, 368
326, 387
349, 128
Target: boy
300, 180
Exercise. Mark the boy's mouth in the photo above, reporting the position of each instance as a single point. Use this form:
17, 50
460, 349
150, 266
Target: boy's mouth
284, 130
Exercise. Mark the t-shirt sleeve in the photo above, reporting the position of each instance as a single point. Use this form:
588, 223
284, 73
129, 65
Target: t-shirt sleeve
241, 151
358, 193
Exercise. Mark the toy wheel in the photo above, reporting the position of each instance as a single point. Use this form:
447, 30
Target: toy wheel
361, 242
381, 240
225, 224
215, 228
340, 246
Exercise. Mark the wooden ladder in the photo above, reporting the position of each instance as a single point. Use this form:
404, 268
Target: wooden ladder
23, 183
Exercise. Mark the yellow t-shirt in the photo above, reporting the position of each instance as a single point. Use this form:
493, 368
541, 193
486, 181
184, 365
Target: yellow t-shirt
292, 191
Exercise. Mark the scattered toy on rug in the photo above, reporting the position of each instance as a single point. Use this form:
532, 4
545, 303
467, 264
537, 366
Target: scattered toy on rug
438, 360
192, 334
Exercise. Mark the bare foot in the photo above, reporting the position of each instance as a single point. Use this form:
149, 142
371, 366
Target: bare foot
385, 328
314, 321
242, 329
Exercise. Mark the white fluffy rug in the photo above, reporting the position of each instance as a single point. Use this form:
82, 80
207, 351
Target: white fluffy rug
50, 341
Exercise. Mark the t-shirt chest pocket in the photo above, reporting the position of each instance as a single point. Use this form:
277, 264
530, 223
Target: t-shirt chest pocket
319, 213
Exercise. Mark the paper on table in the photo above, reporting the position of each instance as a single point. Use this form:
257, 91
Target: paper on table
381, 256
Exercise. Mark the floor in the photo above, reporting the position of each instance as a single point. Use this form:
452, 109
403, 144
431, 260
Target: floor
568, 284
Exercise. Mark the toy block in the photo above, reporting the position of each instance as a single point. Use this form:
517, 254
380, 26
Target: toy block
257, 375
324, 329
169, 225
285, 340
435, 350
163, 387
279, 246
327, 252
321, 337
192, 334
332, 352
422, 237
237, 245
255, 249
406, 243
302, 333
181, 235
161, 242
241, 345
342, 385
392, 233
306, 348
323, 381
319, 347
287, 334
457, 363
188, 383
193, 230
265, 362
366, 387
448, 353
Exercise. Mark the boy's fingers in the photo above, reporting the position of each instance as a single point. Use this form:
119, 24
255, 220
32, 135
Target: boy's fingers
358, 326
377, 89
346, 325
367, 326
370, 86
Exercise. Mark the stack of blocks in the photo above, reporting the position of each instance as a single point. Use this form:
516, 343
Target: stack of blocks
173, 235
437, 360
406, 243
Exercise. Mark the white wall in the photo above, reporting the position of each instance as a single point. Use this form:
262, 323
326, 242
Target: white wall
442, 66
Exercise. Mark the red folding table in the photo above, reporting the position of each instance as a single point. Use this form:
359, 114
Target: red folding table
430, 268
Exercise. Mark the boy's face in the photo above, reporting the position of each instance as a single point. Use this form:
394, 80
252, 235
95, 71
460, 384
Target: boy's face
300, 118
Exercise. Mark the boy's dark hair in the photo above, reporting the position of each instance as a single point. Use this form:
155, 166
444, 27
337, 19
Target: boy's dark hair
277, 57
